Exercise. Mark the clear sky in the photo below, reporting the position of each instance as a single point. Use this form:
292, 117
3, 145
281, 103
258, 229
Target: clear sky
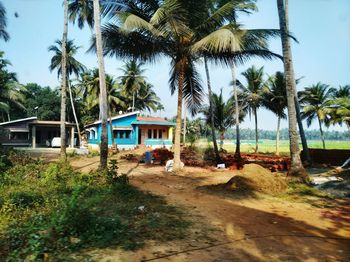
322, 55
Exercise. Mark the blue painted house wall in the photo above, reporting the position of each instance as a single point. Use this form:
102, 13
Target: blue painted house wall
127, 124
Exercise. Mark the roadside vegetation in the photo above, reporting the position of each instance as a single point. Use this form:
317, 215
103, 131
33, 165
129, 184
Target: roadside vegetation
49, 210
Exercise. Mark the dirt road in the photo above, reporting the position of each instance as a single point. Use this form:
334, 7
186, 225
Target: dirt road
244, 229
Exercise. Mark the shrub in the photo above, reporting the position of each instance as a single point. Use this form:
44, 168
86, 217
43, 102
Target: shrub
25, 199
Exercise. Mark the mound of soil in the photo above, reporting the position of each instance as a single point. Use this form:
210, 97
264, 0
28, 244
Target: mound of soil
255, 178
191, 157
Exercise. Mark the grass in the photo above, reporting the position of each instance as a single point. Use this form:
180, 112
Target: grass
302, 193
269, 146
51, 211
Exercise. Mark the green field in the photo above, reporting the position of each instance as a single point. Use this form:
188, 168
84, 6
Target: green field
269, 146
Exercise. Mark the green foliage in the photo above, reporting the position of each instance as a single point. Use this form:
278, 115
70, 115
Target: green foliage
58, 211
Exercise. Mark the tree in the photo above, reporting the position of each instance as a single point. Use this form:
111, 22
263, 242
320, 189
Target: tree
275, 100
254, 94
223, 116
73, 67
297, 171
12, 94
133, 79
339, 107
64, 81
3, 24
314, 101
175, 29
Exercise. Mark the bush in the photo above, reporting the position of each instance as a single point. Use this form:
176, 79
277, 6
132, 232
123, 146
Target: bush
25, 199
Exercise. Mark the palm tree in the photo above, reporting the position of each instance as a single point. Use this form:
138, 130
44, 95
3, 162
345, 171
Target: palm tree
132, 78
81, 11
339, 106
175, 29
314, 101
275, 99
223, 116
3, 23
12, 94
64, 81
297, 170
73, 67
254, 94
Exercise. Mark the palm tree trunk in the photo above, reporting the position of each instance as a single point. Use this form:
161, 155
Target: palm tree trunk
306, 152
103, 89
235, 93
133, 101
297, 171
278, 136
111, 127
177, 146
256, 130
64, 83
222, 138
8, 116
74, 113
321, 131
185, 124
216, 150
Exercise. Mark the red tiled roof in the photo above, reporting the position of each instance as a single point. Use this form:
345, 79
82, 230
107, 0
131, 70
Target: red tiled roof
151, 119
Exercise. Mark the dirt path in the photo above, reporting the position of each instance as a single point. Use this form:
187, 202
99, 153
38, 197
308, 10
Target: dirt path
245, 230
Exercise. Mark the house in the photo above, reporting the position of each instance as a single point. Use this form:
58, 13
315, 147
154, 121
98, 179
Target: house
33, 132
130, 130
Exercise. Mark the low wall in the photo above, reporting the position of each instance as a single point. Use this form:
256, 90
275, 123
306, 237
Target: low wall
335, 157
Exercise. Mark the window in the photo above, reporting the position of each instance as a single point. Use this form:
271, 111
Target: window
154, 133
149, 133
127, 134
160, 134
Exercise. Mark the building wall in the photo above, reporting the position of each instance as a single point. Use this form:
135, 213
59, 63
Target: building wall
125, 121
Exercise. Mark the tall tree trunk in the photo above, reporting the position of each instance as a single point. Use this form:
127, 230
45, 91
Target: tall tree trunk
321, 131
297, 171
74, 113
212, 126
256, 130
103, 89
235, 93
111, 127
133, 101
222, 138
278, 136
8, 116
177, 142
64, 83
185, 124
306, 152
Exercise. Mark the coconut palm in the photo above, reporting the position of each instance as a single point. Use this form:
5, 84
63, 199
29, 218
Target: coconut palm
12, 94
314, 100
254, 94
223, 115
81, 11
338, 109
3, 23
275, 100
132, 78
297, 170
64, 81
175, 29
73, 67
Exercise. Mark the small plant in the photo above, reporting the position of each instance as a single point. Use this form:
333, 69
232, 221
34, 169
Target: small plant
112, 174
25, 199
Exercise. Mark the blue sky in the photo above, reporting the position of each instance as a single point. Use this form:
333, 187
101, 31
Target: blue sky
322, 55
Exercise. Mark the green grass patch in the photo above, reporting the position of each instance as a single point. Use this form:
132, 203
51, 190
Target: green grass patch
50, 211
307, 194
